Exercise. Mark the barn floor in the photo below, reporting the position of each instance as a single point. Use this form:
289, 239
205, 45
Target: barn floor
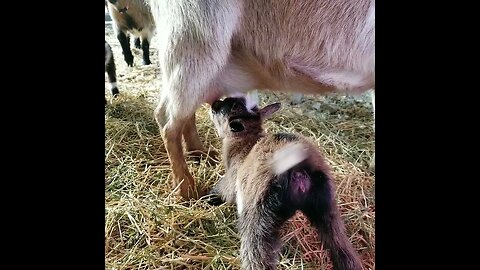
146, 227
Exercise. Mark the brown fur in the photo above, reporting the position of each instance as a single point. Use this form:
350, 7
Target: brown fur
260, 193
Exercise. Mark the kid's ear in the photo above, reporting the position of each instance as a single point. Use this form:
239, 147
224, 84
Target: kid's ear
267, 111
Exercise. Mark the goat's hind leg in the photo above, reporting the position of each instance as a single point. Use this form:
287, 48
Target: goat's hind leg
322, 211
125, 44
260, 222
145, 46
259, 226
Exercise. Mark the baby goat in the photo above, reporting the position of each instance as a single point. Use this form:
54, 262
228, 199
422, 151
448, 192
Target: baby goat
110, 69
132, 16
270, 177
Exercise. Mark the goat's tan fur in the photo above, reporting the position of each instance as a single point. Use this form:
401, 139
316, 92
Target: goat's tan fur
253, 181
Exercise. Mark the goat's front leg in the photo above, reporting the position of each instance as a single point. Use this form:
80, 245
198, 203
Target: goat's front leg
125, 44
223, 191
146, 51
215, 193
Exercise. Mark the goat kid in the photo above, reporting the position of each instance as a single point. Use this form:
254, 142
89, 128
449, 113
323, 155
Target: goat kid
270, 177
134, 17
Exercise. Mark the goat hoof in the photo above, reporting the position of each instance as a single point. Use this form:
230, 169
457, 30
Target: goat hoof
115, 92
213, 198
188, 190
129, 60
